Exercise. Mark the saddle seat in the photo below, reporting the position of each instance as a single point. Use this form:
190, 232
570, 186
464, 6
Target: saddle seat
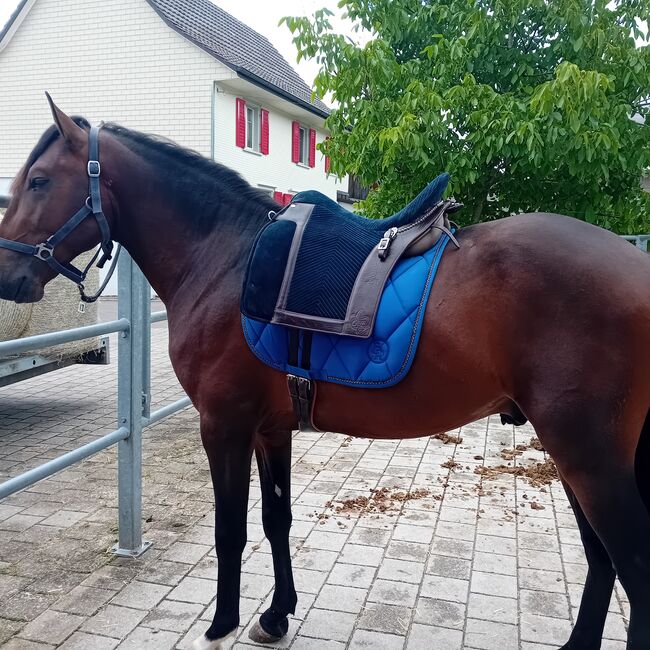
427, 198
317, 266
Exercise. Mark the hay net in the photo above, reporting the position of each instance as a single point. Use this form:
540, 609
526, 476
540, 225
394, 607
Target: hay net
58, 310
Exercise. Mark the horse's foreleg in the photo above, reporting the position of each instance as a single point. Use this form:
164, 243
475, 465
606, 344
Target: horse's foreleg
273, 454
588, 630
229, 451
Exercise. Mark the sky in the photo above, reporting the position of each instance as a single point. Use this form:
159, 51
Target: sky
263, 17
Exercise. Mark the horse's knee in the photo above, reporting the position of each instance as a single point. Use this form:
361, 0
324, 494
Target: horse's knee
276, 521
229, 542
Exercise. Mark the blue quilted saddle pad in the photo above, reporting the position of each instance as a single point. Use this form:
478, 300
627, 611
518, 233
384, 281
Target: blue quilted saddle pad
380, 361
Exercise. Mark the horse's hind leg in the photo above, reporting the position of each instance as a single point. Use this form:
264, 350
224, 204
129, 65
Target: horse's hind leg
273, 454
596, 457
588, 630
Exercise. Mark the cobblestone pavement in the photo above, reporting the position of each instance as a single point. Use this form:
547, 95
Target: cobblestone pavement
466, 563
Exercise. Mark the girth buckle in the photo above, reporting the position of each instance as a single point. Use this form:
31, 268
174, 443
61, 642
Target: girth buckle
385, 242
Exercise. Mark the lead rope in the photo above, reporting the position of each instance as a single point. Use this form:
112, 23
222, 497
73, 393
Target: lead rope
90, 299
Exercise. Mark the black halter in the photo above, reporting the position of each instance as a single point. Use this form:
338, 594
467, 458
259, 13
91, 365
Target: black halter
92, 206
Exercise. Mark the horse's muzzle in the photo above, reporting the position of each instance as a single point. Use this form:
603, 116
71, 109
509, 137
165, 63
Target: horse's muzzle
20, 287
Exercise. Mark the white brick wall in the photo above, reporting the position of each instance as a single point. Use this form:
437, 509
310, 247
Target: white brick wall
118, 61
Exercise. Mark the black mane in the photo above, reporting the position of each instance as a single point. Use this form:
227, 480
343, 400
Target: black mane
208, 192
204, 191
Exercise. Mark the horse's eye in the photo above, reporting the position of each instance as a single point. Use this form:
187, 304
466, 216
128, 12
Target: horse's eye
37, 182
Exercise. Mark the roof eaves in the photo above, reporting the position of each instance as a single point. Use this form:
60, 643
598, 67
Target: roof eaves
12, 20
258, 81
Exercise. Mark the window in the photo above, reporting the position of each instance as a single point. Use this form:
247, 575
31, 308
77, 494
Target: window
252, 127
303, 145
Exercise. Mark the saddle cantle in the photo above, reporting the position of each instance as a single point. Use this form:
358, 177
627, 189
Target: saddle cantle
319, 267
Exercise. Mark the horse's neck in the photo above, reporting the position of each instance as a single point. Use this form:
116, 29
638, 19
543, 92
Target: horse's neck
174, 255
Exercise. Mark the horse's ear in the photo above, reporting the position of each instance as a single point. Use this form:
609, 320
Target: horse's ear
71, 132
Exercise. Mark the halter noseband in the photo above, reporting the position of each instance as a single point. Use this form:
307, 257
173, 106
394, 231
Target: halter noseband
92, 207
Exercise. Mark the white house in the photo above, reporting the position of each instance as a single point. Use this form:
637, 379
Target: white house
184, 69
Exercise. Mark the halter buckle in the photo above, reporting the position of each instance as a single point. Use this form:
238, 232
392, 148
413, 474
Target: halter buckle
44, 251
94, 168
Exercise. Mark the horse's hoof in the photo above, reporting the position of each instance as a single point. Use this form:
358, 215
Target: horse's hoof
203, 643
258, 634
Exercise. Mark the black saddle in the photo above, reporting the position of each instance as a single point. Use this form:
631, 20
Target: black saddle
318, 266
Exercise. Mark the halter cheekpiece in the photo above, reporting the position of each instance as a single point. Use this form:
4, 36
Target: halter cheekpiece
91, 207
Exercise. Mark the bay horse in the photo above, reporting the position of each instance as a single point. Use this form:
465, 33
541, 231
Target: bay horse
536, 316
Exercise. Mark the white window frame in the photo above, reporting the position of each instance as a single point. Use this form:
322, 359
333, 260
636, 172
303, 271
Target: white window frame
254, 135
304, 146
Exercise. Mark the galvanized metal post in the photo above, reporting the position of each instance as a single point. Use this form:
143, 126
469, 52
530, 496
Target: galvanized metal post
133, 304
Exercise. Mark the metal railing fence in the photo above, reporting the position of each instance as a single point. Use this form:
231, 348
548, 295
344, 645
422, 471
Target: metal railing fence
133, 327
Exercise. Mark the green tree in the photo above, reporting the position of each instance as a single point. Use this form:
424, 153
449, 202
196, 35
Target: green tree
529, 104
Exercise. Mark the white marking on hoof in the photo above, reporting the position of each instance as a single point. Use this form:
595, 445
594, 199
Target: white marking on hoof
259, 635
203, 643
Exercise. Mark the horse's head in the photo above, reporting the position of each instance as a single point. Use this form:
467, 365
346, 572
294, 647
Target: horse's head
50, 188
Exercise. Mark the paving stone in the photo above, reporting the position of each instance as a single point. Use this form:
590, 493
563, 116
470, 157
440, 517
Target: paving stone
143, 638
83, 600
51, 625
310, 581
23, 644
401, 570
544, 628
494, 563
83, 641
141, 595
364, 555
393, 593
114, 621
488, 635
323, 624
185, 552
369, 640
8, 628
19, 522
380, 617
450, 567
443, 588
194, 590
443, 613
26, 605
426, 637
492, 608
545, 603
64, 518
494, 584
351, 575
344, 599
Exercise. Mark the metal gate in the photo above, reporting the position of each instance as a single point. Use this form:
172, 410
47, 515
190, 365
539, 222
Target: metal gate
133, 326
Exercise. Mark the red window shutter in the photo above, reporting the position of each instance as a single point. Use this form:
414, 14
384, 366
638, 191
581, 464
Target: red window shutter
278, 197
295, 142
264, 139
240, 117
287, 198
312, 148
